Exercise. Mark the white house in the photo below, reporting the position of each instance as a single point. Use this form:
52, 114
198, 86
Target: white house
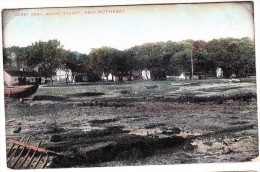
219, 72
182, 76
103, 77
146, 74
63, 73
112, 77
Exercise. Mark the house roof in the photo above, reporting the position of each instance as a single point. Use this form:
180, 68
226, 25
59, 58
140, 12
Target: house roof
22, 73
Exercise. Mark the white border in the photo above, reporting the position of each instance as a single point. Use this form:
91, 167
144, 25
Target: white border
7, 4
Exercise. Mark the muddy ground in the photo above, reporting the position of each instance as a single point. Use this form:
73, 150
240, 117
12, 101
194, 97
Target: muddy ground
140, 123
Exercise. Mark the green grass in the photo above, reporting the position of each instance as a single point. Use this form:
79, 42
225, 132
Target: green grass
134, 89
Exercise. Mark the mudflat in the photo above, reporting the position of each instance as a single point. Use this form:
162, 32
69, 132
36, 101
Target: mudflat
140, 123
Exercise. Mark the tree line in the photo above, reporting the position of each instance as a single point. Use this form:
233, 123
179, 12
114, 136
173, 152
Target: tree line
234, 56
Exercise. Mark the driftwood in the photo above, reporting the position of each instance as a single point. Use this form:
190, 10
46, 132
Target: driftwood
23, 155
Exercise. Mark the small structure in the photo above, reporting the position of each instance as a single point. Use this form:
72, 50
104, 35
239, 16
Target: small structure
128, 76
22, 77
219, 72
146, 74
182, 76
63, 73
110, 77
103, 77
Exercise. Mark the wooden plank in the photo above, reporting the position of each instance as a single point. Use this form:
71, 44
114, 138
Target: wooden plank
15, 150
37, 162
32, 157
36, 148
25, 158
9, 151
45, 162
19, 156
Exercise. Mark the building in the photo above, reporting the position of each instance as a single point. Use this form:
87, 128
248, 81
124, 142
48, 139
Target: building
182, 76
219, 72
146, 74
75, 73
21, 77
64, 74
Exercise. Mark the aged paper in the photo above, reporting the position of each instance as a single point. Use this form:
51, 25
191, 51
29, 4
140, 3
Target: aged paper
108, 85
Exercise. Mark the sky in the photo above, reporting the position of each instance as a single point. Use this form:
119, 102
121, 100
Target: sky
82, 28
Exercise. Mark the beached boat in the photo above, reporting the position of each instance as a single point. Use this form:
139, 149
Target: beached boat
22, 91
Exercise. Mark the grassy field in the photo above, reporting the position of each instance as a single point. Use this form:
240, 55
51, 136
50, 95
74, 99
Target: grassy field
131, 89
149, 89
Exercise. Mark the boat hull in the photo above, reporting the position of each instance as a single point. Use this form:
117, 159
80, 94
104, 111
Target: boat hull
20, 91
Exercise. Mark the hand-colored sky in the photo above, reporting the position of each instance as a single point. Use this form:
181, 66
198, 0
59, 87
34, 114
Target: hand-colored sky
132, 25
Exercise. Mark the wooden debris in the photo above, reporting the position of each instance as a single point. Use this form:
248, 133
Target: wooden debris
22, 155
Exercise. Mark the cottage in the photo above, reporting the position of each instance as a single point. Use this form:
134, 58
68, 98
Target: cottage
21, 77
103, 77
63, 74
146, 74
219, 72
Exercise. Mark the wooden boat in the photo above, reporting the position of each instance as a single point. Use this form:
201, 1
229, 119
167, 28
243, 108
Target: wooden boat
21, 91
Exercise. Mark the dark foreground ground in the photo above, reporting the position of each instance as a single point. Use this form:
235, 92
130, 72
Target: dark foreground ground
140, 123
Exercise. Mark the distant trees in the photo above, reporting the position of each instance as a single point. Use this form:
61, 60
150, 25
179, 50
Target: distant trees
45, 56
234, 56
109, 60
6, 56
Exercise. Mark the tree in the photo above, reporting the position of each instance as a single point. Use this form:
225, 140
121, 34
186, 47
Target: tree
100, 58
6, 56
245, 63
234, 56
118, 64
47, 55
14, 57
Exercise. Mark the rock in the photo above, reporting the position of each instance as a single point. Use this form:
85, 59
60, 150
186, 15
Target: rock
55, 138
17, 130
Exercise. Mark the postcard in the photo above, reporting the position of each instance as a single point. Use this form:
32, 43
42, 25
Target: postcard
160, 84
